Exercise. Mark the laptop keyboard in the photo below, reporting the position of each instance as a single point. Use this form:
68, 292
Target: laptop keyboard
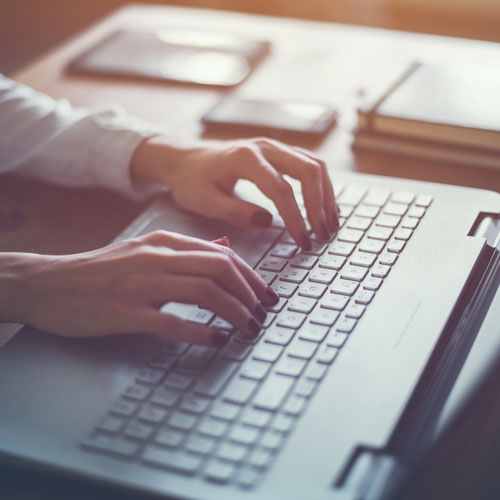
224, 414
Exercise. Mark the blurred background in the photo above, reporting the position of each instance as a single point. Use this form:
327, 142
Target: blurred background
30, 27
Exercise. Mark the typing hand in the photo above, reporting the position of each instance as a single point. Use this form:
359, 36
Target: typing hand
120, 289
202, 176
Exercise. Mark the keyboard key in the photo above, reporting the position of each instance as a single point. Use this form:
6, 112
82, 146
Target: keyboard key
171, 459
165, 397
123, 408
326, 354
355, 311
396, 246
257, 418
402, 197
379, 233
350, 235
247, 477
292, 367
416, 212
110, 424
178, 380
395, 208
284, 288
175, 347
304, 261
137, 392
301, 304
380, 271
305, 387
315, 371
199, 444
139, 430
260, 457
372, 283
169, 437
302, 348
267, 352
212, 427
293, 275
318, 247
325, 317
410, 222
239, 390
334, 262
270, 317
363, 259
274, 264
232, 452
244, 434
272, 440
182, 420
336, 339
388, 258
196, 358
334, 301
346, 325
312, 290
364, 297
272, 392
277, 307
222, 324
386, 220
371, 246
354, 273
402, 233
342, 248
351, 195
376, 197
194, 404
345, 210
279, 335
369, 211
282, 423
267, 276
163, 362
225, 410
254, 369
320, 275
98, 441
294, 405
201, 316
153, 414
150, 376
361, 223
291, 319
219, 472
283, 250
235, 350
313, 332
344, 287
423, 200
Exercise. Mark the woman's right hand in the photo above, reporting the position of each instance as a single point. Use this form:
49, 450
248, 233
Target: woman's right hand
121, 288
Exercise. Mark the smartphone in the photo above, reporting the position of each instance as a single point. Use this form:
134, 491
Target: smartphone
279, 119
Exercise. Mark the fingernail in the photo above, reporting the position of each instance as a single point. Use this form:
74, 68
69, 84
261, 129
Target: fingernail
254, 327
224, 241
306, 242
219, 339
262, 219
260, 313
274, 298
325, 233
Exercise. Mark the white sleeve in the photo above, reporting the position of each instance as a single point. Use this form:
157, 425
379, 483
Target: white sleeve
49, 139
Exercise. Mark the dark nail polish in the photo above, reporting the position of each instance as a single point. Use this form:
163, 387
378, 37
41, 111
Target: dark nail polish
260, 313
254, 327
219, 339
274, 298
262, 219
306, 242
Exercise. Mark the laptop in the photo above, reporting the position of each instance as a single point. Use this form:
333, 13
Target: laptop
339, 397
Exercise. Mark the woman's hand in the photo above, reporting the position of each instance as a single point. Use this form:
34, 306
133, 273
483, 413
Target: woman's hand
120, 289
202, 176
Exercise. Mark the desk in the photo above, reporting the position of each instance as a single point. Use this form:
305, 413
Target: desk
309, 60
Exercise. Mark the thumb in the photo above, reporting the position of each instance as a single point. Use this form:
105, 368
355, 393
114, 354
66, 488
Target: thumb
241, 213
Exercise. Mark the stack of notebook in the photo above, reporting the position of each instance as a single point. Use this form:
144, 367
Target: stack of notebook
443, 113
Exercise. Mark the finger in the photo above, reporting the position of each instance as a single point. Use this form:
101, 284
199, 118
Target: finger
173, 327
257, 169
308, 171
224, 241
204, 292
331, 209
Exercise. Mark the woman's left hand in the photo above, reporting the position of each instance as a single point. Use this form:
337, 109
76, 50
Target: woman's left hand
202, 174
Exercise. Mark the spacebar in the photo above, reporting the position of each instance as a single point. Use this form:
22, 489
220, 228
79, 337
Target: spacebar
272, 392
